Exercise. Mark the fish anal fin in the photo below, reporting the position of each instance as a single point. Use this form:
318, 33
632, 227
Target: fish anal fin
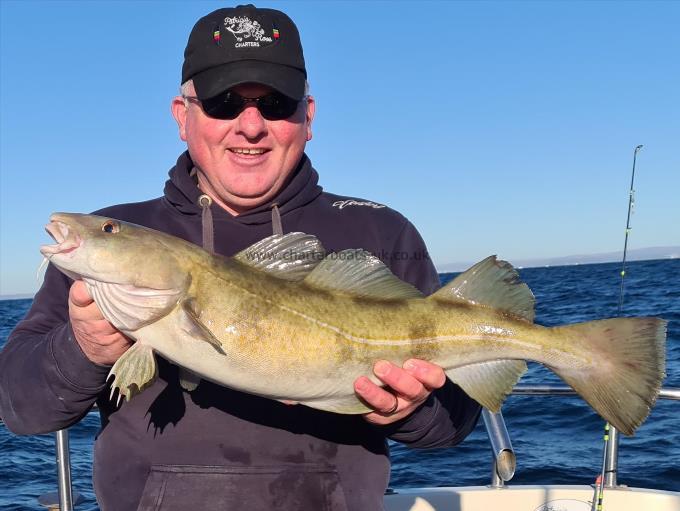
488, 383
494, 283
348, 404
134, 371
359, 273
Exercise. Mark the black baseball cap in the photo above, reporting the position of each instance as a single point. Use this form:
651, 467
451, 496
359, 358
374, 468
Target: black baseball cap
245, 44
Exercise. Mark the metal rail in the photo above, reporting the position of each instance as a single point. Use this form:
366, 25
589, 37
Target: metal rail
563, 390
504, 460
503, 468
503, 455
64, 470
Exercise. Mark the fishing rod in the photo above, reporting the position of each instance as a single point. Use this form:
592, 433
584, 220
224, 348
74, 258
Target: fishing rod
607, 476
631, 202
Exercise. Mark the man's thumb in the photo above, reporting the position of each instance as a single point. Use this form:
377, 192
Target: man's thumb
79, 295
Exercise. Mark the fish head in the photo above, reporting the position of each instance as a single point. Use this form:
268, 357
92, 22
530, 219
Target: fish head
136, 275
109, 250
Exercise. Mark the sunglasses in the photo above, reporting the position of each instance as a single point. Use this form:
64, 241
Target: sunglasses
228, 105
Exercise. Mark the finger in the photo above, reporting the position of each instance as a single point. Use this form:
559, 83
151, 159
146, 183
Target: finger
429, 375
376, 397
400, 381
89, 314
79, 295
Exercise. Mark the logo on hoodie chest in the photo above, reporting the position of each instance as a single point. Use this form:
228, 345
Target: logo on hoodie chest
342, 204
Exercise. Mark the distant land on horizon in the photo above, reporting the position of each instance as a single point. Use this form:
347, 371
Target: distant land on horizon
636, 254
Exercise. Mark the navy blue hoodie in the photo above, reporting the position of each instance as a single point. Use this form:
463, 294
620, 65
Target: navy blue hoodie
216, 448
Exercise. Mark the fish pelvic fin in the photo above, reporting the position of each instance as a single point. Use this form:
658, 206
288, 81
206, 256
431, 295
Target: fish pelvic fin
134, 371
493, 283
628, 362
488, 383
188, 380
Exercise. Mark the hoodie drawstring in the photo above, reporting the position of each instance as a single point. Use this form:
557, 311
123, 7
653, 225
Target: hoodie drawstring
277, 228
207, 222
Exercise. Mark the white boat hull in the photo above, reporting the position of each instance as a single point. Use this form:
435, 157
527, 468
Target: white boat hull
530, 498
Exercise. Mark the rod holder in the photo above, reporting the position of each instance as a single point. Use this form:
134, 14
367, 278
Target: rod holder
501, 447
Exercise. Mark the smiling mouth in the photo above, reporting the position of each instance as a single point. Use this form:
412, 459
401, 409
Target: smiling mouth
245, 151
66, 240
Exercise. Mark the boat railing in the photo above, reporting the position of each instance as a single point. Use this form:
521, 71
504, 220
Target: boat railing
503, 467
504, 459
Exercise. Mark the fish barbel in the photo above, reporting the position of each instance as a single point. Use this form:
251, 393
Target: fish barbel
283, 320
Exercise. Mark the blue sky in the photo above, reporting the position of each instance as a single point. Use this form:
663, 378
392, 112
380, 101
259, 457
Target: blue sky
496, 127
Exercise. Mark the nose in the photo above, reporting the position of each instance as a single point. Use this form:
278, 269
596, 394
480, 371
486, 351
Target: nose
250, 122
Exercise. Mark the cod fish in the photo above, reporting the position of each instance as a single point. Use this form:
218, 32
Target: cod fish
284, 320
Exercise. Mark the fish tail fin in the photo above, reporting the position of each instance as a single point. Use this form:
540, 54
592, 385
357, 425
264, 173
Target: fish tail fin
627, 368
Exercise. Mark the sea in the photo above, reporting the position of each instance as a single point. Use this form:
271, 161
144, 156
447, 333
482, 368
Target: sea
557, 440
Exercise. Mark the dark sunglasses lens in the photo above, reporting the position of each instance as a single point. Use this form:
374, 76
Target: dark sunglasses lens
275, 106
225, 106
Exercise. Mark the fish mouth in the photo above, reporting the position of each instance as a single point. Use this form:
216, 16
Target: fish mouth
66, 240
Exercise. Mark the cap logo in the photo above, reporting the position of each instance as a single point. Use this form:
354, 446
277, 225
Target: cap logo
248, 33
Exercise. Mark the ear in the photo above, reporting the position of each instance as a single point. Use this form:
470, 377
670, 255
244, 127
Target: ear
311, 110
179, 112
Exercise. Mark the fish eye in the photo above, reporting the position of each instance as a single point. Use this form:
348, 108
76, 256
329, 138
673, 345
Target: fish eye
111, 227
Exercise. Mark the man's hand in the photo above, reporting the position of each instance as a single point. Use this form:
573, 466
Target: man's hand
409, 387
98, 338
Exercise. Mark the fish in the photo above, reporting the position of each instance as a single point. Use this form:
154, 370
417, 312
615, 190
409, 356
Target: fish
285, 320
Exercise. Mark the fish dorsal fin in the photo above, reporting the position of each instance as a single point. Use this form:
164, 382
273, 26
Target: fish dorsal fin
286, 256
359, 273
493, 283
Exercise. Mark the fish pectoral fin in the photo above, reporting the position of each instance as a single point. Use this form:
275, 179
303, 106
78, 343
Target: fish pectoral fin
188, 380
359, 273
286, 256
192, 326
134, 371
488, 383
494, 283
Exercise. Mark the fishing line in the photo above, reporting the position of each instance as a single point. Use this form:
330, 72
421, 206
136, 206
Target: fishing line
610, 433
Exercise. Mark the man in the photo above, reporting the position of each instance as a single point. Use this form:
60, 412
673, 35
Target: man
246, 118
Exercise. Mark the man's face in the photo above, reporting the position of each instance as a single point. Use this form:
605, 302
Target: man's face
244, 162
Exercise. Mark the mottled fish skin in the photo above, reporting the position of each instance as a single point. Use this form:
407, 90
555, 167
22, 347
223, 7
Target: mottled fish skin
299, 336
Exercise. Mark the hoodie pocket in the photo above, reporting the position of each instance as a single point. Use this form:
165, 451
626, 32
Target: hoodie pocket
298, 487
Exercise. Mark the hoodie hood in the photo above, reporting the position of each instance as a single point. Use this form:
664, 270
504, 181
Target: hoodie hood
182, 192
